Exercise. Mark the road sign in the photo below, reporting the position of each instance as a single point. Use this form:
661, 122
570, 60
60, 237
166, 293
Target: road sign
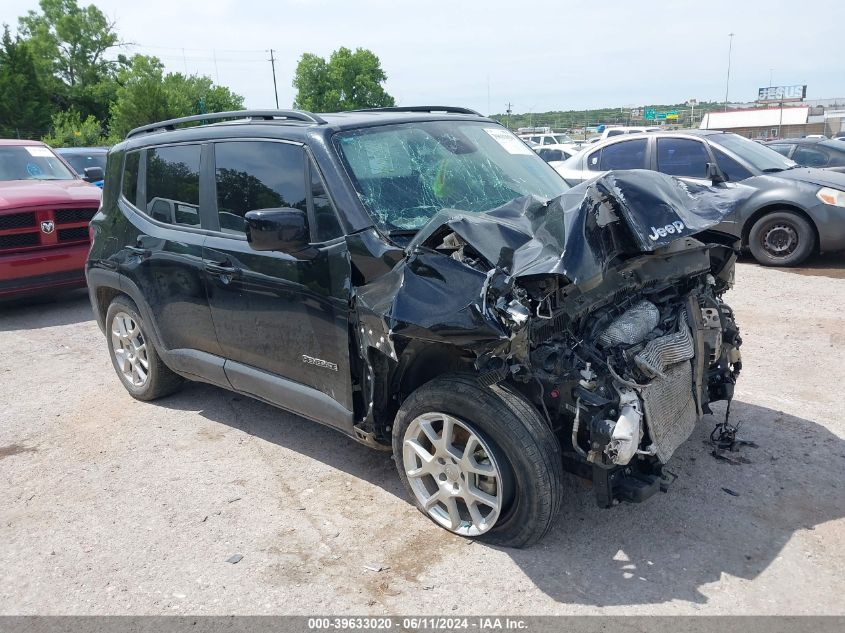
650, 114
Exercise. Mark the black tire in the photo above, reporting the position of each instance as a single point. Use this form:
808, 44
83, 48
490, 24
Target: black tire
160, 380
525, 449
781, 238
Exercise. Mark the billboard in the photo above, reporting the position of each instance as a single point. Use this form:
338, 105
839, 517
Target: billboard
779, 94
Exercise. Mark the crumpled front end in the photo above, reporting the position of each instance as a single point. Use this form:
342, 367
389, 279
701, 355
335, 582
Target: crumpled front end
603, 307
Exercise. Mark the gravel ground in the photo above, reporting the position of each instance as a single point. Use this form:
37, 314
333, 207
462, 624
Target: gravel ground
112, 506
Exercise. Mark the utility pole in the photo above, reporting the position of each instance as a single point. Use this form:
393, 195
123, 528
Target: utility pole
728, 80
275, 89
508, 114
488, 96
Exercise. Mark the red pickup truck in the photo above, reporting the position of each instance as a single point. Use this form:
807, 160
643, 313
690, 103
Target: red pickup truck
45, 209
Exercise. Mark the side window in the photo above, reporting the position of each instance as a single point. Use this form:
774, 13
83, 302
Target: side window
593, 160
257, 175
614, 133
624, 155
732, 169
173, 184
781, 148
327, 227
809, 157
682, 157
130, 176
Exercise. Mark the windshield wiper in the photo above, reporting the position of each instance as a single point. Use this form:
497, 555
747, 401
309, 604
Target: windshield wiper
402, 232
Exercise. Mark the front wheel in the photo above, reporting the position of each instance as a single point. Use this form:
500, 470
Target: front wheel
479, 461
781, 238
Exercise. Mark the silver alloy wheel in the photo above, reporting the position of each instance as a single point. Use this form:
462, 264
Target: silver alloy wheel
452, 473
130, 349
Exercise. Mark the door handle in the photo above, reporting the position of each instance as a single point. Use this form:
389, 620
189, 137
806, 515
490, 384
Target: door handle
221, 268
137, 250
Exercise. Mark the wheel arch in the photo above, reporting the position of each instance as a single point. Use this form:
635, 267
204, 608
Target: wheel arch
418, 363
771, 208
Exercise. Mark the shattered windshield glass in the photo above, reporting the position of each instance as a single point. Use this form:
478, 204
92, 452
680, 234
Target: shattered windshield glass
406, 173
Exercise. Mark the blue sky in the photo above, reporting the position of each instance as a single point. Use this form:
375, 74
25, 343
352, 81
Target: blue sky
537, 55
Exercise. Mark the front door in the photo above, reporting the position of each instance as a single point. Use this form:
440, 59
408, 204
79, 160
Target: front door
277, 315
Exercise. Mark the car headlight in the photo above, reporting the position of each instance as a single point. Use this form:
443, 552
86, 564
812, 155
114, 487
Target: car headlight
835, 197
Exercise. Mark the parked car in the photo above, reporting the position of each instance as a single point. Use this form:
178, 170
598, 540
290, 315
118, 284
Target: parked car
620, 130
44, 213
548, 138
407, 277
555, 155
83, 158
812, 152
792, 213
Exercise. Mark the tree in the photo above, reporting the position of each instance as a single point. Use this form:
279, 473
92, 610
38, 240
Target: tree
24, 102
70, 130
348, 81
69, 44
146, 95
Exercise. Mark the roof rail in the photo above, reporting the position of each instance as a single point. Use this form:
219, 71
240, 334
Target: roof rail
266, 115
447, 109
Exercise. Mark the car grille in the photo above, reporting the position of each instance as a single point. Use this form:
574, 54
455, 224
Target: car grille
22, 230
18, 240
66, 216
73, 235
17, 220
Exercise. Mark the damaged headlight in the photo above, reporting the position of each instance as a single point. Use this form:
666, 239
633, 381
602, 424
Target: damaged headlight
831, 196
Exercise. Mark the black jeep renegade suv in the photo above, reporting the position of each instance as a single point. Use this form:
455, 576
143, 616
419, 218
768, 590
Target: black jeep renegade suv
422, 281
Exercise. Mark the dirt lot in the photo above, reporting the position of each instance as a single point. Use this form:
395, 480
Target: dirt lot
114, 506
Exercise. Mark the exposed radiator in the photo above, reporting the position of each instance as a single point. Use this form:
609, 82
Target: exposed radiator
670, 411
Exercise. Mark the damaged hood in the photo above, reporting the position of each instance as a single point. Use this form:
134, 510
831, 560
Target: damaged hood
435, 293
642, 210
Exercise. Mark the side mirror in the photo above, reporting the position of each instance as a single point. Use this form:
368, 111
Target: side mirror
283, 230
93, 174
714, 174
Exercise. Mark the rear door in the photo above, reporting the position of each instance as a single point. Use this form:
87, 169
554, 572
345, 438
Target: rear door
161, 198
277, 315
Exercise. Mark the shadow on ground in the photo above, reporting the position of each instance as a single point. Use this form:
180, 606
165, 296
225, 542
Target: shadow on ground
665, 549
62, 308
830, 265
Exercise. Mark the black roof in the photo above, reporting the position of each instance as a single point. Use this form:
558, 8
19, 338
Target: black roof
293, 119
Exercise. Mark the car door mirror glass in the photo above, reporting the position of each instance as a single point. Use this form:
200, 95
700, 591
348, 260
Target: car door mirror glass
283, 229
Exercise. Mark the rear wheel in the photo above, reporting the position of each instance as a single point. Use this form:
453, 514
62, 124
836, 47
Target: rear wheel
133, 355
479, 461
781, 238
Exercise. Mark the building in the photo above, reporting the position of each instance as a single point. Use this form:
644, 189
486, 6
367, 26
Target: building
763, 122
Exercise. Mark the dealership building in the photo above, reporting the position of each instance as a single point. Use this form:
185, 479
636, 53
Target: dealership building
776, 114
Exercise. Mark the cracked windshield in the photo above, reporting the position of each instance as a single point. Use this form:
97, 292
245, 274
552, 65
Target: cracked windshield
405, 174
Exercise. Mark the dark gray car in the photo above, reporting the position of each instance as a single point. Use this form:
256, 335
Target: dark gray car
812, 152
792, 212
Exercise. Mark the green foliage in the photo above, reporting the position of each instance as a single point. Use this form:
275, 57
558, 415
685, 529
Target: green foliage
69, 44
568, 119
146, 95
24, 102
70, 130
348, 81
